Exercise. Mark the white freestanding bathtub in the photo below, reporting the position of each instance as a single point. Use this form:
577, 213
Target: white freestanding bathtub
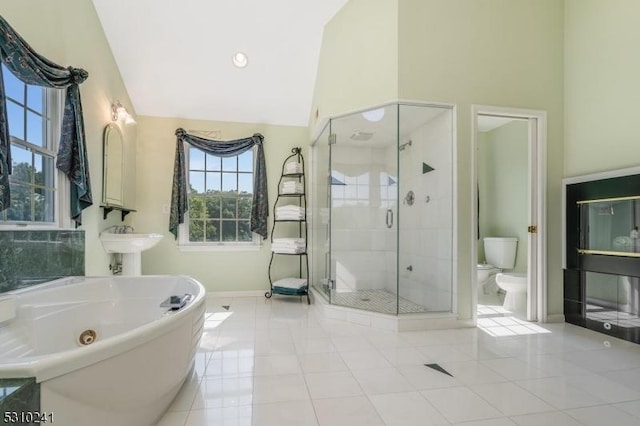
138, 360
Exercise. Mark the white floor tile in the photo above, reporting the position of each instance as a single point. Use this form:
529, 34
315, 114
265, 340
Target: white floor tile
229, 416
472, 372
403, 356
511, 399
555, 418
502, 421
603, 415
628, 378
406, 409
351, 344
314, 345
319, 362
365, 360
603, 388
389, 340
632, 407
383, 380
422, 377
351, 411
290, 387
219, 392
559, 393
513, 368
332, 384
281, 362
553, 365
284, 413
460, 404
438, 354
276, 364
230, 366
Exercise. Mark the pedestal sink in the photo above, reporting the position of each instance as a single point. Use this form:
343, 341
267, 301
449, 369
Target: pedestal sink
130, 246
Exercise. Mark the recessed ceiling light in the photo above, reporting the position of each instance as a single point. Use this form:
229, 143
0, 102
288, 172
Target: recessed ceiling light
240, 60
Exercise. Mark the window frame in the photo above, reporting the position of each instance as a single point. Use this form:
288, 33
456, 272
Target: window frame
184, 244
54, 109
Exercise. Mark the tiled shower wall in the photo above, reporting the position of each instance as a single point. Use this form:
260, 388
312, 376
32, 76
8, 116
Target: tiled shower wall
31, 257
426, 227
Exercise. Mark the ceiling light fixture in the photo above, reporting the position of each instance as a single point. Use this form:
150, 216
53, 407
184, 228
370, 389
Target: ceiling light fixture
240, 60
374, 115
119, 112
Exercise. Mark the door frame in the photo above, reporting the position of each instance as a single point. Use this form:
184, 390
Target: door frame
537, 254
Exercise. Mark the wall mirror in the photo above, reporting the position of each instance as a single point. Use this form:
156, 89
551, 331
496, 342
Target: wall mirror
113, 163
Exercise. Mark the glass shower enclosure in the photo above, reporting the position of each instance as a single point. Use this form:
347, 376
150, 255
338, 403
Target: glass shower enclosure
382, 209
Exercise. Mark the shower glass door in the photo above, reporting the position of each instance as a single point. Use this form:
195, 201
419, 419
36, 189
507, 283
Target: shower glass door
320, 230
363, 201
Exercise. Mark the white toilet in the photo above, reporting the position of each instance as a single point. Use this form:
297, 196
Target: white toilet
500, 253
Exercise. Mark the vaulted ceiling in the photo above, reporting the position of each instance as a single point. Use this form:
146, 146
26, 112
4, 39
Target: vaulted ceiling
175, 57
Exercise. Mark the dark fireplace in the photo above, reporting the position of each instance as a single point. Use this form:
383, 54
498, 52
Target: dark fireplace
602, 275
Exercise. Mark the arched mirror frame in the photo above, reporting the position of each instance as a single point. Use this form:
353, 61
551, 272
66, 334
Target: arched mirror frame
113, 166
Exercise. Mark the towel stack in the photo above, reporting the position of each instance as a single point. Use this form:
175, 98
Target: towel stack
291, 283
292, 187
290, 212
292, 168
288, 245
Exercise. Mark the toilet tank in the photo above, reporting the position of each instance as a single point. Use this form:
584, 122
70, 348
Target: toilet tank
501, 251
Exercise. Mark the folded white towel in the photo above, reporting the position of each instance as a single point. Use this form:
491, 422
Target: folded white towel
293, 283
290, 207
288, 250
294, 241
292, 167
289, 217
291, 188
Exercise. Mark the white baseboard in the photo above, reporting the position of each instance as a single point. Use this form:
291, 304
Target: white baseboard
247, 293
555, 318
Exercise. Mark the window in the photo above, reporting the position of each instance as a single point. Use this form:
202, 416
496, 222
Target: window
34, 123
220, 193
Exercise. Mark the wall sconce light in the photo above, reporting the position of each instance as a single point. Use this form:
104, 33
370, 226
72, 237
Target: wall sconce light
119, 112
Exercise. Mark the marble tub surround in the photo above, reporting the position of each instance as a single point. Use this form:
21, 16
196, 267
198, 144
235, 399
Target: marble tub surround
33, 257
19, 395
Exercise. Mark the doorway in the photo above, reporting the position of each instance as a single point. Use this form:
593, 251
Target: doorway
509, 191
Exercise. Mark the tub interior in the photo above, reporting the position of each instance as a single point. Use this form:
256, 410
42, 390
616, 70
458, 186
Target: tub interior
50, 319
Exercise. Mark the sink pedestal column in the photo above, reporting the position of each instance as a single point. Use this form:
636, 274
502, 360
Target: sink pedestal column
131, 264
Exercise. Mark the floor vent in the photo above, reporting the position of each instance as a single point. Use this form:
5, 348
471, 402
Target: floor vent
438, 368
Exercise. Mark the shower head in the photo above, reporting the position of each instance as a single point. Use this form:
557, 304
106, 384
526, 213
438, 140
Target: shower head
404, 145
359, 135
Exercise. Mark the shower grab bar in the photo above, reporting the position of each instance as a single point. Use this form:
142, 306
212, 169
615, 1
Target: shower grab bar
389, 218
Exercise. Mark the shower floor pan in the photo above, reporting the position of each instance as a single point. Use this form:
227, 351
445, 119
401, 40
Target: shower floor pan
381, 301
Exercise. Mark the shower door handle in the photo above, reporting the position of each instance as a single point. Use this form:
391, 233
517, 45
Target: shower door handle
389, 218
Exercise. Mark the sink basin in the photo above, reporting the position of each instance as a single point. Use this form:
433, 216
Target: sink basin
128, 243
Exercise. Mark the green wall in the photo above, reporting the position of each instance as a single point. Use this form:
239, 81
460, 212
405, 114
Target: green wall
69, 33
506, 53
216, 270
602, 92
358, 63
503, 172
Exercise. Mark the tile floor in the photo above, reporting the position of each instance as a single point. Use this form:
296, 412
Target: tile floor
277, 362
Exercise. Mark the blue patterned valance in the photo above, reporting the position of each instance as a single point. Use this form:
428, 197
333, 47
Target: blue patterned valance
179, 204
32, 68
